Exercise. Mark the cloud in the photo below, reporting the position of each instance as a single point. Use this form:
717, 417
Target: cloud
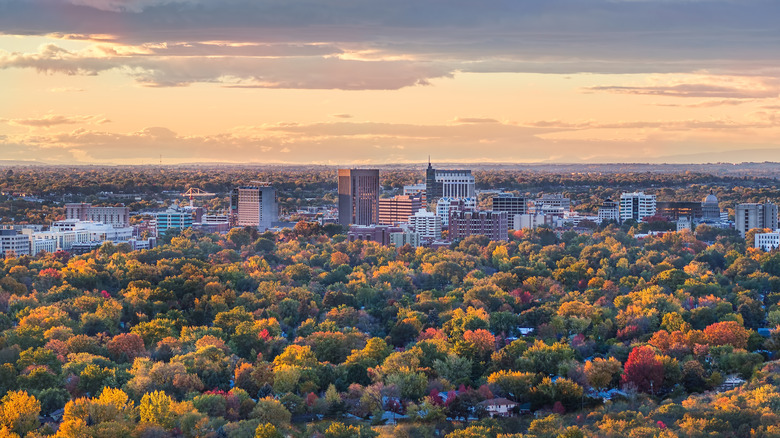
345, 44
353, 142
241, 72
342, 116
51, 120
474, 120
692, 90
709, 103
66, 90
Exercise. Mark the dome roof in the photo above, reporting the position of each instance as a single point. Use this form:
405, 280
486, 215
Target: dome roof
711, 199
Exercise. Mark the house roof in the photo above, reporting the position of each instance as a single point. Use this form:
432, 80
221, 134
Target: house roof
497, 402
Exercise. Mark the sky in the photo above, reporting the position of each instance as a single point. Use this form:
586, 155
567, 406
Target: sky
360, 82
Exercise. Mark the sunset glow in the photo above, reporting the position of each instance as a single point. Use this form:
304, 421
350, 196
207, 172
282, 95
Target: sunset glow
336, 82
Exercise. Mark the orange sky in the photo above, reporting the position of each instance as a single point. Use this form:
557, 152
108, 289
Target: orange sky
103, 81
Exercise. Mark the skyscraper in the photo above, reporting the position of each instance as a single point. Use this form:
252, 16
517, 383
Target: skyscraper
358, 196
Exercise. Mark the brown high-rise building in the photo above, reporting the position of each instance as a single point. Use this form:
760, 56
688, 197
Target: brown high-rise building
358, 196
398, 208
493, 224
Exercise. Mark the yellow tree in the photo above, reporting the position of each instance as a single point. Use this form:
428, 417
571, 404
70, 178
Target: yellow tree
19, 412
156, 408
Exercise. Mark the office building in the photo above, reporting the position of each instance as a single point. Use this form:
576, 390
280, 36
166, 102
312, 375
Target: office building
554, 204
416, 190
636, 206
674, 210
13, 243
173, 217
67, 234
465, 223
754, 215
358, 196
448, 183
427, 224
254, 206
509, 203
43, 244
404, 237
609, 211
398, 209
528, 220
116, 216
444, 205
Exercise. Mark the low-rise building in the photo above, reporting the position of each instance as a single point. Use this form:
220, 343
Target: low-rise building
767, 241
499, 407
374, 233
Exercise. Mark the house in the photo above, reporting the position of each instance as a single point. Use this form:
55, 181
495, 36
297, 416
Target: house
501, 407
525, 331
732, 382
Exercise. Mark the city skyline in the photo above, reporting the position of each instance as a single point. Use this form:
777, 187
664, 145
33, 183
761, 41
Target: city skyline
343, 82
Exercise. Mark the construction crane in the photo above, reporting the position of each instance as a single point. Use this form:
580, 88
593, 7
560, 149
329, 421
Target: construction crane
192, 192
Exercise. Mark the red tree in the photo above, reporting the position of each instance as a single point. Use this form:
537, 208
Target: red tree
126, 347
643, 369
727, 333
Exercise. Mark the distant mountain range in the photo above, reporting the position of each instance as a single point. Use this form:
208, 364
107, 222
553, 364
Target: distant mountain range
770, 169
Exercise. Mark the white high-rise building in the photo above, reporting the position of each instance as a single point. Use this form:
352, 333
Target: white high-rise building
636, 206
749, 216
449, 183
426, 223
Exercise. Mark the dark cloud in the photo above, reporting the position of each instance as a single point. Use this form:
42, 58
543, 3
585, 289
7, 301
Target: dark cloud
552, 36
242, 72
